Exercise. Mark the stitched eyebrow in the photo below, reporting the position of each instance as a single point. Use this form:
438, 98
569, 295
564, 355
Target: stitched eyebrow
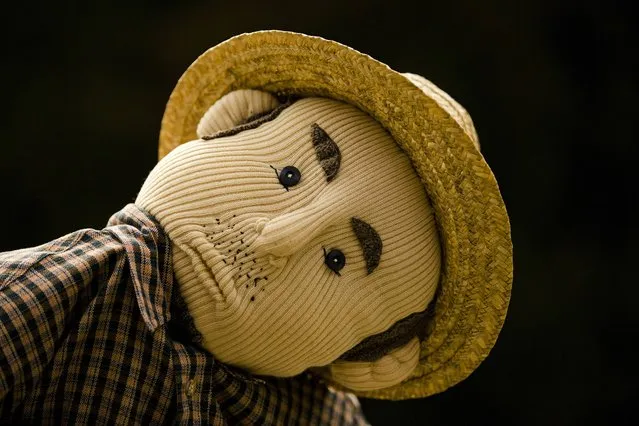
370, 241
327, 151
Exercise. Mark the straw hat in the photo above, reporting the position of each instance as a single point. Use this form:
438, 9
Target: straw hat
437, 136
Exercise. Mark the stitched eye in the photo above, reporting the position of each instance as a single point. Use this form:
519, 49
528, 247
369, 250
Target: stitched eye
288, 176
334, 259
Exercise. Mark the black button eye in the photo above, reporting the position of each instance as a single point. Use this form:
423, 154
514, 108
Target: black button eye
289, 176
335, 260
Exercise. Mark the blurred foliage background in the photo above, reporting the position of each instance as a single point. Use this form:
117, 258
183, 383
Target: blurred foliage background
551, 86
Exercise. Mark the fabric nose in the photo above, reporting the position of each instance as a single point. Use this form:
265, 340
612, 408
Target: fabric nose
286, 234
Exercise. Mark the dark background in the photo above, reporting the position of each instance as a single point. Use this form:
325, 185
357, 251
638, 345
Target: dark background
551, 86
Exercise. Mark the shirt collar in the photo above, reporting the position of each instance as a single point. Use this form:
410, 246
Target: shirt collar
148, 250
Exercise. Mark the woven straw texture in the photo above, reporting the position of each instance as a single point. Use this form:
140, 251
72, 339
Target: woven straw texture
473, 223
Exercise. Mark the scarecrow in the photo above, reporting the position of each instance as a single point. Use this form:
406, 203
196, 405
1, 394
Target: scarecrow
319, 226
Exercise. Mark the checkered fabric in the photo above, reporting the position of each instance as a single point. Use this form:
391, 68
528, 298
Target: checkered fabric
92, 331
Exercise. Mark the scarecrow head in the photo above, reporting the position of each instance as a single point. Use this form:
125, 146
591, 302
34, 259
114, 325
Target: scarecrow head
328, 213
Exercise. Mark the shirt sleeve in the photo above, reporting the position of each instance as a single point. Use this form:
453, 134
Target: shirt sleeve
42, 289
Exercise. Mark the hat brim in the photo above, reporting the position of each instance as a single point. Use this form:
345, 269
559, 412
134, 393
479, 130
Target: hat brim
472, 220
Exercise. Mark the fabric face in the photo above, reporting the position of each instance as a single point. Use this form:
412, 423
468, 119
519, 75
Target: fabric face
92, 332
251, 253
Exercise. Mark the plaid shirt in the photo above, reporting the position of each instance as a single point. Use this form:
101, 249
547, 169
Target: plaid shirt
92, 331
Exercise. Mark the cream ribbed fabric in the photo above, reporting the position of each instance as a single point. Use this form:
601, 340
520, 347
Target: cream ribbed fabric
249, 254
386, 371
234, 109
